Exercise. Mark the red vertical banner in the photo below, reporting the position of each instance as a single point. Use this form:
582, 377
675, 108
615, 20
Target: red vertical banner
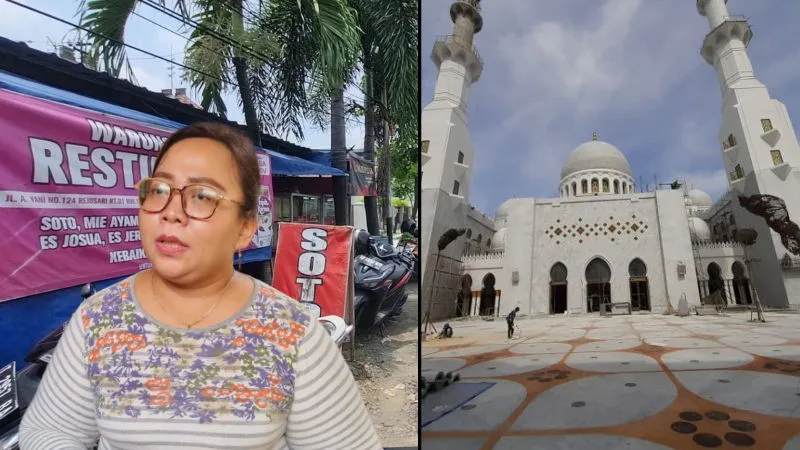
314, 264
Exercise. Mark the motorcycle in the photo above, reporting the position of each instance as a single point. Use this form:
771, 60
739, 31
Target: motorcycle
380, 281
18, 389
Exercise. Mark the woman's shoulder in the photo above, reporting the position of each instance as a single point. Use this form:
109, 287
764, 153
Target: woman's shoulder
111, 296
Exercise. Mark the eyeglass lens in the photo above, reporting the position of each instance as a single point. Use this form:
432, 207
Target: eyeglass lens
198, 201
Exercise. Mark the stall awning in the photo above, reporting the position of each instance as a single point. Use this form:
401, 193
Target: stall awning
282, 165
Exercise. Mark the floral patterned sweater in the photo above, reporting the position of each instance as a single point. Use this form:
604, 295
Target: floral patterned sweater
269, 378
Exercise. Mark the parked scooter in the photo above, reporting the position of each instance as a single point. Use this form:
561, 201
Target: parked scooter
380, 281
18, 389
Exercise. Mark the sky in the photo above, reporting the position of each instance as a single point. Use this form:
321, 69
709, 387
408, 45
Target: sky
555, 71
19, 24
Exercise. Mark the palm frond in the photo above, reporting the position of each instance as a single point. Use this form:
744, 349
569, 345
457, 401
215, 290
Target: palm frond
107, 20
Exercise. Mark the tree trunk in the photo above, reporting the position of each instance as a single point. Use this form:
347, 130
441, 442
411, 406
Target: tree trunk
415, 208
386, 170
240, 68
341, 201
370, 203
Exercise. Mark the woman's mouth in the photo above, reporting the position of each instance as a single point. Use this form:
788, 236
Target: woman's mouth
170, 245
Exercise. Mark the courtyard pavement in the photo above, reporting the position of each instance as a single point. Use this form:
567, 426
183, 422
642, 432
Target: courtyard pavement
633, 382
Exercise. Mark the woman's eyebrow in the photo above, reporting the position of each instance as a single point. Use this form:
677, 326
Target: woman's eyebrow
192, 180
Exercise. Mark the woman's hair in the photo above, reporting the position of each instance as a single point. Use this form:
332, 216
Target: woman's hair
242, 151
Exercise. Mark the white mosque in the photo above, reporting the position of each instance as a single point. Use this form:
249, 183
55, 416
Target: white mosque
601, 241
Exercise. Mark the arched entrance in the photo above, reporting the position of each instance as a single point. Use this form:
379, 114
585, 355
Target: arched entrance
715, 281
464, 302
558, 288
598, 284
741, 284
488, 294
640, 288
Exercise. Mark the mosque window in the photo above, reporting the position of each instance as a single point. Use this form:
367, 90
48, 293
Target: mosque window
595, 186
605, 185
479, 238
777, 158
584, 187
616, 186
456, 186
489, 242
425, 145
766, 124
461, 157
730, 142
737, 173
574, 189
469, 233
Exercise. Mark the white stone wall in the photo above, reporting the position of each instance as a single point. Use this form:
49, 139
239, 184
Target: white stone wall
724, 254
673, 225
480, 230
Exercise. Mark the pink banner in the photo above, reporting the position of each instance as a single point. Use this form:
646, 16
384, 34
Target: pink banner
68, 207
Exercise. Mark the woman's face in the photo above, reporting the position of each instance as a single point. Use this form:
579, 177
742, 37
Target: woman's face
183, 249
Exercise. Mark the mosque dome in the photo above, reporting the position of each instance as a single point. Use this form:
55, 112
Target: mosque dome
499, 239
501, 215
595, 155
698, 198
698, 229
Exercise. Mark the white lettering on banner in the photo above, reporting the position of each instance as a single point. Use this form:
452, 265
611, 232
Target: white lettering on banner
95, 222
48, 158
311, 264
113, 134
126, 255
124, 221
38, 200
58, 224
48, 242
82, 240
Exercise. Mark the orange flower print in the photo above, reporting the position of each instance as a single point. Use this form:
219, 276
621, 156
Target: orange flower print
94, 355
268, 291
239, 342
208, 392
86, 320
157, 384
274, 378
125, 285
162, 398
261, 402
283, 343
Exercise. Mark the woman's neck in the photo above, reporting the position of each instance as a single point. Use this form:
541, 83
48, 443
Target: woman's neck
203, 288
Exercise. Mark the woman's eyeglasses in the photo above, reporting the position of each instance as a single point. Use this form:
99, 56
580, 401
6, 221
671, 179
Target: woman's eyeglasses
198, 201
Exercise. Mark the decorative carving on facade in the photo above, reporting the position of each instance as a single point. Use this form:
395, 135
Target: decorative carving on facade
611, 227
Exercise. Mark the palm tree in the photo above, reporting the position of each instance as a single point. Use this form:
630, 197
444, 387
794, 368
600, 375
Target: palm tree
272, 52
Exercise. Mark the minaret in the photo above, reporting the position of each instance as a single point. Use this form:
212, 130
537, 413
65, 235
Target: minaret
446, 153
759, 146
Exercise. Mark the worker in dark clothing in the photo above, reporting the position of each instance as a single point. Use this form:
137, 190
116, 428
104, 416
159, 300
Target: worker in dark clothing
510, 321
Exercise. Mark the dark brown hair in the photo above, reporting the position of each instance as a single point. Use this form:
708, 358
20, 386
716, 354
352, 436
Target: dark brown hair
242, 151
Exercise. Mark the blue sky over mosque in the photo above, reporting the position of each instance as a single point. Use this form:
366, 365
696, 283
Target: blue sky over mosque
629, 69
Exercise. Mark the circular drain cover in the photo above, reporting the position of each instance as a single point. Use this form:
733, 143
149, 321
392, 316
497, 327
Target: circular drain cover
740, 439
578, 404
707, 440
630, 384
691, 416
717, 415
683, 427
742, 425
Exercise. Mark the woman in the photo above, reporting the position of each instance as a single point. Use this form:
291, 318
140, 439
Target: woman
192, 354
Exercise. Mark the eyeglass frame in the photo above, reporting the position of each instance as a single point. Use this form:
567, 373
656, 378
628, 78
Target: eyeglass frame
174, 189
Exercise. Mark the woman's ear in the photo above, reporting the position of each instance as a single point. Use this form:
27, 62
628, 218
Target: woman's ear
246, 232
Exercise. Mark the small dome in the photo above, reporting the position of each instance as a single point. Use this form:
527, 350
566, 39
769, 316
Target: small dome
698, 229
595, 155
499, 239
698, 198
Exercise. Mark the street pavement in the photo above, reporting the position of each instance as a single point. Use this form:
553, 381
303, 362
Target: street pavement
635, 382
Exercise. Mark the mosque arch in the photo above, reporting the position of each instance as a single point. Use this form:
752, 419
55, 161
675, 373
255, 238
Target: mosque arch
606, 185
598, 283
574, 188
558, 288
584, 186
616, 185
480, 237
469, 232
741, 284
595, 185
488, 294
715, 281
464, 300
639, 285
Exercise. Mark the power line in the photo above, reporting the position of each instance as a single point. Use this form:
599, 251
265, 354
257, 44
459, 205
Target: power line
152, 55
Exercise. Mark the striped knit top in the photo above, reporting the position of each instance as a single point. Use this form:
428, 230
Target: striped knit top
269, 378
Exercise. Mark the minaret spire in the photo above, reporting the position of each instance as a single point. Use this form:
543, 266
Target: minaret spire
467, 20
725, 46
